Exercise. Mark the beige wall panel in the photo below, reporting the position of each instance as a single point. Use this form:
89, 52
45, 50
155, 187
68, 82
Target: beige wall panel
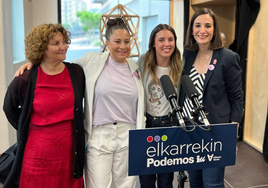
7, 132
4, 125
257, 80
44, 11
176, 21
214, 2
35, 12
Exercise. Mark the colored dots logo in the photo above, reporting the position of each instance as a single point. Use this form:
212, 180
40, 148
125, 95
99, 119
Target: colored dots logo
157, 138
149, 139
164, 138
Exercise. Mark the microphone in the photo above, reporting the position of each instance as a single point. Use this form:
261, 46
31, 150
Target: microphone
192, 94
172, 98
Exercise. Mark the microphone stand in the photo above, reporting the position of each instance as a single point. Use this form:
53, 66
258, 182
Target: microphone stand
199, 109
174, 118
182, 177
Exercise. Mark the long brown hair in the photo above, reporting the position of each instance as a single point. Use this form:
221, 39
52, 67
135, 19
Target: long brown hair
175, 58
216, 41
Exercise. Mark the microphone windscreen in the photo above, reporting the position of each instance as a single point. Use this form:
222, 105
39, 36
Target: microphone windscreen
188, 86
167, 86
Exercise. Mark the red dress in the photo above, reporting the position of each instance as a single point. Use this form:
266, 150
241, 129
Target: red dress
48, 156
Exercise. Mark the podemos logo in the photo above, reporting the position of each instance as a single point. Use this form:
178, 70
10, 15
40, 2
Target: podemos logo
168, 155
157, 138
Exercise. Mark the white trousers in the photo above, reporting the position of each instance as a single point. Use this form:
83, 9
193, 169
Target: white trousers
107, 157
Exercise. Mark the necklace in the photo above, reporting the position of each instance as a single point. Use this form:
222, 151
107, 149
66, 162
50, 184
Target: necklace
202, 62
203, 58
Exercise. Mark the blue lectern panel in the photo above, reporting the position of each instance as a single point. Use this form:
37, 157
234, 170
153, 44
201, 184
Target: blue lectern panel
171, 149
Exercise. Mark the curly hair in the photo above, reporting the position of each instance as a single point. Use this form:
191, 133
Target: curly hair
175, 58
37, 40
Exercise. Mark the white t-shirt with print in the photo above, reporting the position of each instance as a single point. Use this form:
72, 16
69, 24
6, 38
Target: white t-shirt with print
156, 101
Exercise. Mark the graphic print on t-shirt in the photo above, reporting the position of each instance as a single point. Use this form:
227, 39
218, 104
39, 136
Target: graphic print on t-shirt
156, 102
155, 92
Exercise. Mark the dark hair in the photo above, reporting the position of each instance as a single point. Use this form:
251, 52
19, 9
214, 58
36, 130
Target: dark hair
216, 42
175, 58
114, 24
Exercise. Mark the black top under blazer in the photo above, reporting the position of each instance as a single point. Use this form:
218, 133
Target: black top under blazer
17, 107
222, 92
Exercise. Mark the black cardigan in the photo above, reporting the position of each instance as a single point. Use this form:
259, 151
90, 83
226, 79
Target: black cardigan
17, 107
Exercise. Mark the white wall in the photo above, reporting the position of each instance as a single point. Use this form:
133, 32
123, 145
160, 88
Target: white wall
3, 125
36, 12
178, 22
44, 11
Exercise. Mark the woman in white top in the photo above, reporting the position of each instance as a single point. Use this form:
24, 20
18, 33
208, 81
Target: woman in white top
162, 58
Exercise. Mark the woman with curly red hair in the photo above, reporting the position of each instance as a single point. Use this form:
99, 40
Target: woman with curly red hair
45, 106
